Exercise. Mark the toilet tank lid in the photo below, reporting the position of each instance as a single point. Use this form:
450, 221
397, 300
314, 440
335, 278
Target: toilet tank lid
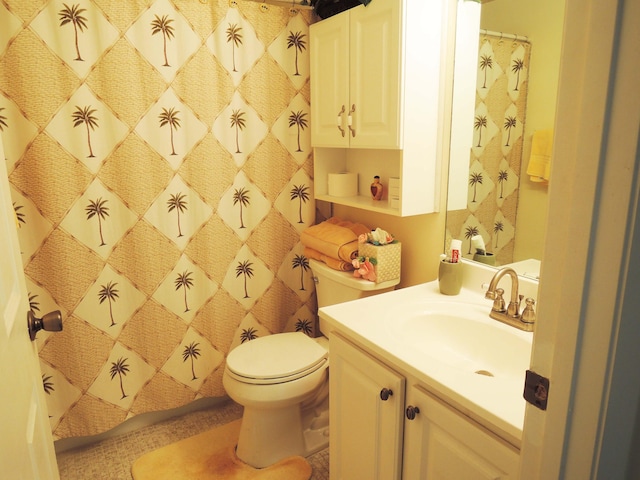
347, 278
276, 356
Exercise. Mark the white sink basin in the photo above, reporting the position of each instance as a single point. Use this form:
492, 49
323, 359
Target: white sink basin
462, 336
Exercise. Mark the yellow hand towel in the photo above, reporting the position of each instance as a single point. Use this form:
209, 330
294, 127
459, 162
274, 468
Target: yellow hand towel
539, 168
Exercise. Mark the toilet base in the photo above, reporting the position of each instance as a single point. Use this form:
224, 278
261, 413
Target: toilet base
316, 435
270, 435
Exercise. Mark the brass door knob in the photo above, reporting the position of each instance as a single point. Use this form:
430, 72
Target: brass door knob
51, 322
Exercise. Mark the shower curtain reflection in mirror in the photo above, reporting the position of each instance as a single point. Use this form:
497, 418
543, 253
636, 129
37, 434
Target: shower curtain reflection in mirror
496, 154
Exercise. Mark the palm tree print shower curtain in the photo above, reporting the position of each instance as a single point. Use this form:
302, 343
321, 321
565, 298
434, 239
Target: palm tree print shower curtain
160, 167
496, 153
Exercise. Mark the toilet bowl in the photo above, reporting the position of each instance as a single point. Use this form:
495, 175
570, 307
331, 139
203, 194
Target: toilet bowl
281, 380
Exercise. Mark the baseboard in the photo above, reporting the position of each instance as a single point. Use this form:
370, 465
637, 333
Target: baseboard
137, 422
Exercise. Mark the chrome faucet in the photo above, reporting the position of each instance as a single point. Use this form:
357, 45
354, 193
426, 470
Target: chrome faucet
511, 314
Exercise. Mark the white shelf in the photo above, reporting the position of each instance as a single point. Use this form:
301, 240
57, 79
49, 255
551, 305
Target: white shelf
360, 201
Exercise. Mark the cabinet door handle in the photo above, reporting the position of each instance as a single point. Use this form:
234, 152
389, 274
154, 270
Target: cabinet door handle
412, 412
385, 393
339, 120
350, 120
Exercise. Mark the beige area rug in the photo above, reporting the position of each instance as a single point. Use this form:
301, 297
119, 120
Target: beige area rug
211, 456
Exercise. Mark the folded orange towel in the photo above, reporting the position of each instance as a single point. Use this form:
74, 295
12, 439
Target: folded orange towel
357, 228
328, 261
331, 240
334, 238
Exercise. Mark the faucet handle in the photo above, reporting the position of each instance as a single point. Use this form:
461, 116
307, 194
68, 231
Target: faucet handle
498, 302
529, 314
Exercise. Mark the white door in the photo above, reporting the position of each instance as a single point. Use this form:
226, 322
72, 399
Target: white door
26, 444
587, 333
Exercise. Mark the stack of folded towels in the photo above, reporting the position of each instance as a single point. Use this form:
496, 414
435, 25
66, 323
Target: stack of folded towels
334, 242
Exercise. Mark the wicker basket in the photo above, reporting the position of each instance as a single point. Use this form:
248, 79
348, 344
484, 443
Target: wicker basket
387, 258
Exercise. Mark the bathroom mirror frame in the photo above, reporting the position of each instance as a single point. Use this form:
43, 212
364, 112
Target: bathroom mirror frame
542, 24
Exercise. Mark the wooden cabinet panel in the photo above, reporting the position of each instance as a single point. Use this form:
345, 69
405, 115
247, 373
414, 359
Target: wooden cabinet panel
365, 430
443, 444
330, 81
377, 439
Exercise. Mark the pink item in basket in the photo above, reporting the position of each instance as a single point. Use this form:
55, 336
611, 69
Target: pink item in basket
364, 269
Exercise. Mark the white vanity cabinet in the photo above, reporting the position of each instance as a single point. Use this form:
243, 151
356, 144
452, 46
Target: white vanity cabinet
380, 86
412, 435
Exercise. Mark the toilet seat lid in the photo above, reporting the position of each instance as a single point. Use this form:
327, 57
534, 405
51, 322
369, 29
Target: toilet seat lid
276, 358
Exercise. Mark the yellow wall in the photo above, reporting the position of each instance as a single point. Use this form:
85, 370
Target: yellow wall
542, 22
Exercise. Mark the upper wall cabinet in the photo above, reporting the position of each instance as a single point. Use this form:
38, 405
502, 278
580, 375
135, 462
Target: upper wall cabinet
356, 59
380, 87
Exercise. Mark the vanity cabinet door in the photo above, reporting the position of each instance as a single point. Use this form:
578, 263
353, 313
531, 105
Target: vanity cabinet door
441, 443
367, 403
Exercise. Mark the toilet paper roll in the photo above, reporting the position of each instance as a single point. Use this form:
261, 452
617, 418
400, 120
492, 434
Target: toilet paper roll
343, 184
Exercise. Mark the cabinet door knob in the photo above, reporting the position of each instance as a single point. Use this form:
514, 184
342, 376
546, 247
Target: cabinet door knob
385, 393
412, 412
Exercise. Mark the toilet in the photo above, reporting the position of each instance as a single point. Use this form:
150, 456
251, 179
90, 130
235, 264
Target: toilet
282, 380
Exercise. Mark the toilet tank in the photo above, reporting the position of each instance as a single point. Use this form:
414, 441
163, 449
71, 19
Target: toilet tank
333, 286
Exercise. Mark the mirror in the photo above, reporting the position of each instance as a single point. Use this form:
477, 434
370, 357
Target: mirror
516, 75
